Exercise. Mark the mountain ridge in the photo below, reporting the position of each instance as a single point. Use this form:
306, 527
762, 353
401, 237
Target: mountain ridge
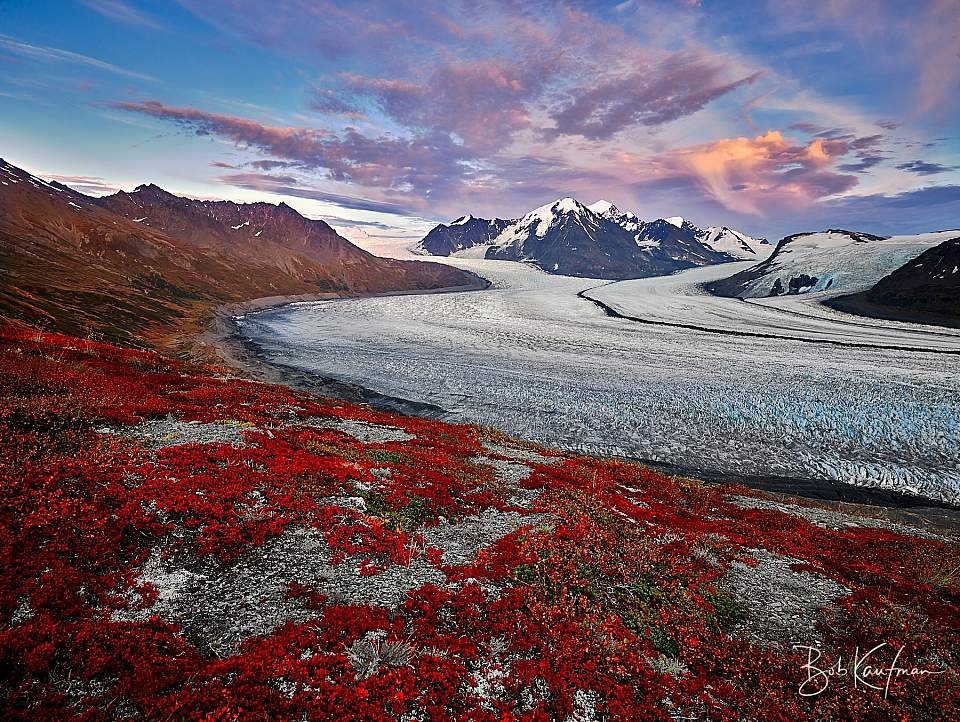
145, 265
599, 240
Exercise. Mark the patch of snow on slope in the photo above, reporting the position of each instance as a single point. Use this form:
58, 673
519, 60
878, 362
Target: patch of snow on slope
675, 220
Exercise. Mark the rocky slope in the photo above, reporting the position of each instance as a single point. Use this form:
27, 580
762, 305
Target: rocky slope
465, 232
834, 260
924, 290
135, 265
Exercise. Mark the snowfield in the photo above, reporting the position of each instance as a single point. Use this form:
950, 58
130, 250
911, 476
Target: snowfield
808, 393
837, 261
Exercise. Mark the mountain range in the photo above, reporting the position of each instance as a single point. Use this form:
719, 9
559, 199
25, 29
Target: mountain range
598, 241
142, 265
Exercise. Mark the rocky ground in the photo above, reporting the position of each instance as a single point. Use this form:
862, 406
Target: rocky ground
179, 544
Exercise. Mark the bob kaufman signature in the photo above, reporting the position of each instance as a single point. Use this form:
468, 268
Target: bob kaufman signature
864, 672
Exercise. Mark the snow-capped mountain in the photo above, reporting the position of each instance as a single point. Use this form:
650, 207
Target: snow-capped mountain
597, 240
736, 244
834, 260
680, 240
461, 234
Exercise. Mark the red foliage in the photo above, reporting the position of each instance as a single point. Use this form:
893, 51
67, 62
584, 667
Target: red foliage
544, 617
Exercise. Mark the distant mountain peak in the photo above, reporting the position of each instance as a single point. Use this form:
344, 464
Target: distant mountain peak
560, 206
547, 215
465, 232
154, 192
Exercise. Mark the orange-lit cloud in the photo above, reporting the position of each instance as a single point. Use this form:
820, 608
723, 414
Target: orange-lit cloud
748, 175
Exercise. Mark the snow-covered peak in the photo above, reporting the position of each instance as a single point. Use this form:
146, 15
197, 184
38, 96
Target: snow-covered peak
675, 220
568, 205
462, 220
545, 216
602, 207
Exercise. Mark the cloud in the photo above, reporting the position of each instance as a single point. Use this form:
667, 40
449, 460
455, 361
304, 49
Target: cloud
679, 85
922, 167
865, 163
484, 102
121, 12
271, 164
92, 185
286, 185
337, 221
931, 208
47, 54
935, 43
418, 166
757, 175
486, 71
919, 198
326, 100
805, 127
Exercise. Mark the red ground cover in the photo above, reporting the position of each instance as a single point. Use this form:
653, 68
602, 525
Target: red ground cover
548, 616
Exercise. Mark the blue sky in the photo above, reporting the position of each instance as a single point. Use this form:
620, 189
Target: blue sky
383, 117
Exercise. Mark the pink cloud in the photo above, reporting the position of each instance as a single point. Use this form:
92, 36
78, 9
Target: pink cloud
757, 175
484, 102
653, 94
412, 166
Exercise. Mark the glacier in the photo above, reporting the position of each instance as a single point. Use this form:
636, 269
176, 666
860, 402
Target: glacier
717, 384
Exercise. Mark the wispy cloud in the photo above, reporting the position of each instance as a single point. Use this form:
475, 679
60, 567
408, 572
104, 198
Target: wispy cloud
124, 13
751, 175
679, 85
416, 166
921, 34
92, 185
922, 167
43, 53
286, 185
487, 71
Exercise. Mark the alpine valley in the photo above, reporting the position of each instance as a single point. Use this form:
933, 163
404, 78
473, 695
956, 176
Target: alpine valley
280, 441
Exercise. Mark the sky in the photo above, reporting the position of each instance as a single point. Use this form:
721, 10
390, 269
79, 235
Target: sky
388, 116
